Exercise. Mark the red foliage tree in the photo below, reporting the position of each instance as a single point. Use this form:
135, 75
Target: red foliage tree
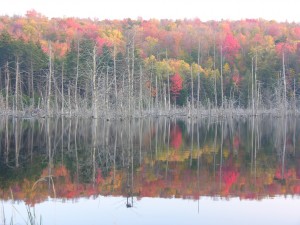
285, 47
236, 79
231, 46
176, 85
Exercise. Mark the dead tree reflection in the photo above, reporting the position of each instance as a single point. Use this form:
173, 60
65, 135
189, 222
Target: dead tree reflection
96, 150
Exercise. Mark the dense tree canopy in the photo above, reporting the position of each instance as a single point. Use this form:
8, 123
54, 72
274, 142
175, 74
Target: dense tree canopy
154, 49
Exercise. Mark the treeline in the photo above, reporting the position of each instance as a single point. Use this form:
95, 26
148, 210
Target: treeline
137, 67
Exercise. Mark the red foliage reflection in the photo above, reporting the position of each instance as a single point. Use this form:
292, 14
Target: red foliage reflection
176, 137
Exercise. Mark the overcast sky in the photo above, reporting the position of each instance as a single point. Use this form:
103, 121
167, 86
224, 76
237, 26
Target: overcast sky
280, 10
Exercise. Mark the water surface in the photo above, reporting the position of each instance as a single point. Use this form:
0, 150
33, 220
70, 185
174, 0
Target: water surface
150, 171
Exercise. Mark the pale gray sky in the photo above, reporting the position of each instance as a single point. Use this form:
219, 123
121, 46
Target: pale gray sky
280, 10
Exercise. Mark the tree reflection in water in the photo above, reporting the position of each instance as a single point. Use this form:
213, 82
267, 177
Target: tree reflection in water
249, 158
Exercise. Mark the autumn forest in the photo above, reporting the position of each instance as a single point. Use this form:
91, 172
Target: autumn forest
139, 67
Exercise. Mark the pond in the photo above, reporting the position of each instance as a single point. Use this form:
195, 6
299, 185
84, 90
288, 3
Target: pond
242, 170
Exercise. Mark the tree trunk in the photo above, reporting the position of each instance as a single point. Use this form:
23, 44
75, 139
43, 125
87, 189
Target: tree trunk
192, 90
252, 89
222, 90
7, 87
32, 86
156, 95
106, 92
150, 96
76, 79
169, 93
56, 99
132, 76
215, 83
94, 94
17, 85
141, 91
115, 79
62, 89
49, 79
62, 140
255, 85
69, 100
295, 104
165, 96
123, 86
198, 77
284, 85
129, 82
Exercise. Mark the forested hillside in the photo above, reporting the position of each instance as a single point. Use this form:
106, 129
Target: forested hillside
130, 67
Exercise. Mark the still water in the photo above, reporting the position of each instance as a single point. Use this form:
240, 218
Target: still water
150, 171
